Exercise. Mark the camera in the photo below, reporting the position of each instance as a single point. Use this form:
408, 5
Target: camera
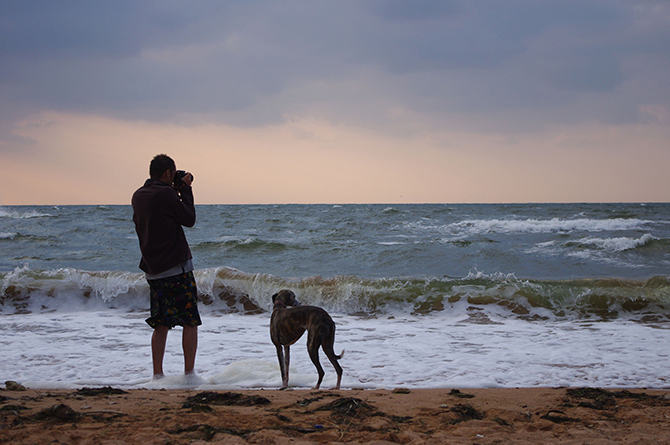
178, 183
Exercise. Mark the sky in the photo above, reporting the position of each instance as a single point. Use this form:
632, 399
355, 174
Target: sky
337, 101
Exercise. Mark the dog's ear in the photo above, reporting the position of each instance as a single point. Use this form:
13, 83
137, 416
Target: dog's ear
274, 297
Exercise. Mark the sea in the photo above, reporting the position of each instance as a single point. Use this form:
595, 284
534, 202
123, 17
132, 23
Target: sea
423, 295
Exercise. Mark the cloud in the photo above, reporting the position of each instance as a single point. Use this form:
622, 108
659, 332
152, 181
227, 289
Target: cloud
484, 66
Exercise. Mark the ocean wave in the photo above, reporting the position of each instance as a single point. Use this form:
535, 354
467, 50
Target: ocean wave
478, 296
597, 249
531, 226
619, 244
19, 214
552, 225
8, 235
25, 290
247, 244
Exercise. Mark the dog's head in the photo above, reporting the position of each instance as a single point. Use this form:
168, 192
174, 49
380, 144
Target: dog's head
284, 298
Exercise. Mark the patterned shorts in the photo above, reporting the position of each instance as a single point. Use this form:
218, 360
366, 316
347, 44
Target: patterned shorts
174, 302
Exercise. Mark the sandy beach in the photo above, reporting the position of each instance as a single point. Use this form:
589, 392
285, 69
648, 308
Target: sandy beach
408, 416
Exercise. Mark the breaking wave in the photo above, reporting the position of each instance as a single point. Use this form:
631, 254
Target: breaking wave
468, 228
21, 214
619, 244
223, 290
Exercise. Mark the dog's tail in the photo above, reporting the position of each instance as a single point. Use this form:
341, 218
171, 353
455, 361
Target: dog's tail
341, 355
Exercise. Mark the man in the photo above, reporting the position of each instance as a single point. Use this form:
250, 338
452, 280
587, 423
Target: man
160, 209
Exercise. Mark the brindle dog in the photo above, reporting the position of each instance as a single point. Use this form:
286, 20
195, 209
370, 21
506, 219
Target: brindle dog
288, 325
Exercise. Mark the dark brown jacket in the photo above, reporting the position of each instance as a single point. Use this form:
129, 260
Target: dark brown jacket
159, 213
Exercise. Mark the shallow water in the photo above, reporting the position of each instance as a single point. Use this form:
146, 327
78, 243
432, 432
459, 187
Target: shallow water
112, 348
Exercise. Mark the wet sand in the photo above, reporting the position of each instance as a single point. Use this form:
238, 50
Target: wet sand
418, 416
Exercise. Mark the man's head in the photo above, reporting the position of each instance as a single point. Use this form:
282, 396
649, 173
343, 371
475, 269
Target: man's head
161, 164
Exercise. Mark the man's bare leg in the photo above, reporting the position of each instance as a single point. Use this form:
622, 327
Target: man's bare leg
190, 346
158, 341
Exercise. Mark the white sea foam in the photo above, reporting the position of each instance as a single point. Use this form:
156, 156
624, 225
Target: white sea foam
595, 249
618, 244
467, 228
112, 348
72, 290
551, 225
475, 274
8, 235
19, 214
105, 285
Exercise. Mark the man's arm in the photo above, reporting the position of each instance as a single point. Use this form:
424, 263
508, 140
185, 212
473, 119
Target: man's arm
184, 208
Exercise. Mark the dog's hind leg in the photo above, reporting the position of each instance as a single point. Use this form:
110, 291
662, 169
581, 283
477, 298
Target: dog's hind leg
330, 353
313, 350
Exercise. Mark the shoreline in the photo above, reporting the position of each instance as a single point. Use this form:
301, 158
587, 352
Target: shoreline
417, 416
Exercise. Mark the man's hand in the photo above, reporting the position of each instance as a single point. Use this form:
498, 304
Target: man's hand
188, 179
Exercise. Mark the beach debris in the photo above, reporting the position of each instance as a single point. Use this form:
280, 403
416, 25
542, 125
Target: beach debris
502, 422
207, 432
306, 402
460, 395
645, 398
226, 398
13, 386
105, 391
400, 419
560, 418
401, 391
465, 412
346, 410
198, 407
58, 413
603, 399
13, 408
348, 406
299, 429
283, 418
105, 415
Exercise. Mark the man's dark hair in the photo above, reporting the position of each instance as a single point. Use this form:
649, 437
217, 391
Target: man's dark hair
159, 165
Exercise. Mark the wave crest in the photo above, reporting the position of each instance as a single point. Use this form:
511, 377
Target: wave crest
18, 214
228, 290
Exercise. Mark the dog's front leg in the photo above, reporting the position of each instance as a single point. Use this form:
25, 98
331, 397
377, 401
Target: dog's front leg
282, 367
287, 362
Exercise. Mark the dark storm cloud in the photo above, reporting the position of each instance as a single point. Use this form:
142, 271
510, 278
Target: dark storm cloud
472, 34
484, 64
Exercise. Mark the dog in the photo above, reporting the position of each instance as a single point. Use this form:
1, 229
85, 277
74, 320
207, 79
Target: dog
288, 325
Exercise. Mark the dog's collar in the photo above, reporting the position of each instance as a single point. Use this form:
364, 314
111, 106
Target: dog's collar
280, 304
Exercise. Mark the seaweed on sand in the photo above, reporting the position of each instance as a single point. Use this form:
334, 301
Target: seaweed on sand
226, 398
58, 413
13, 408
465, 412
348, 406
558, 417
105, 391
604, 399
207, 432
460, 395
